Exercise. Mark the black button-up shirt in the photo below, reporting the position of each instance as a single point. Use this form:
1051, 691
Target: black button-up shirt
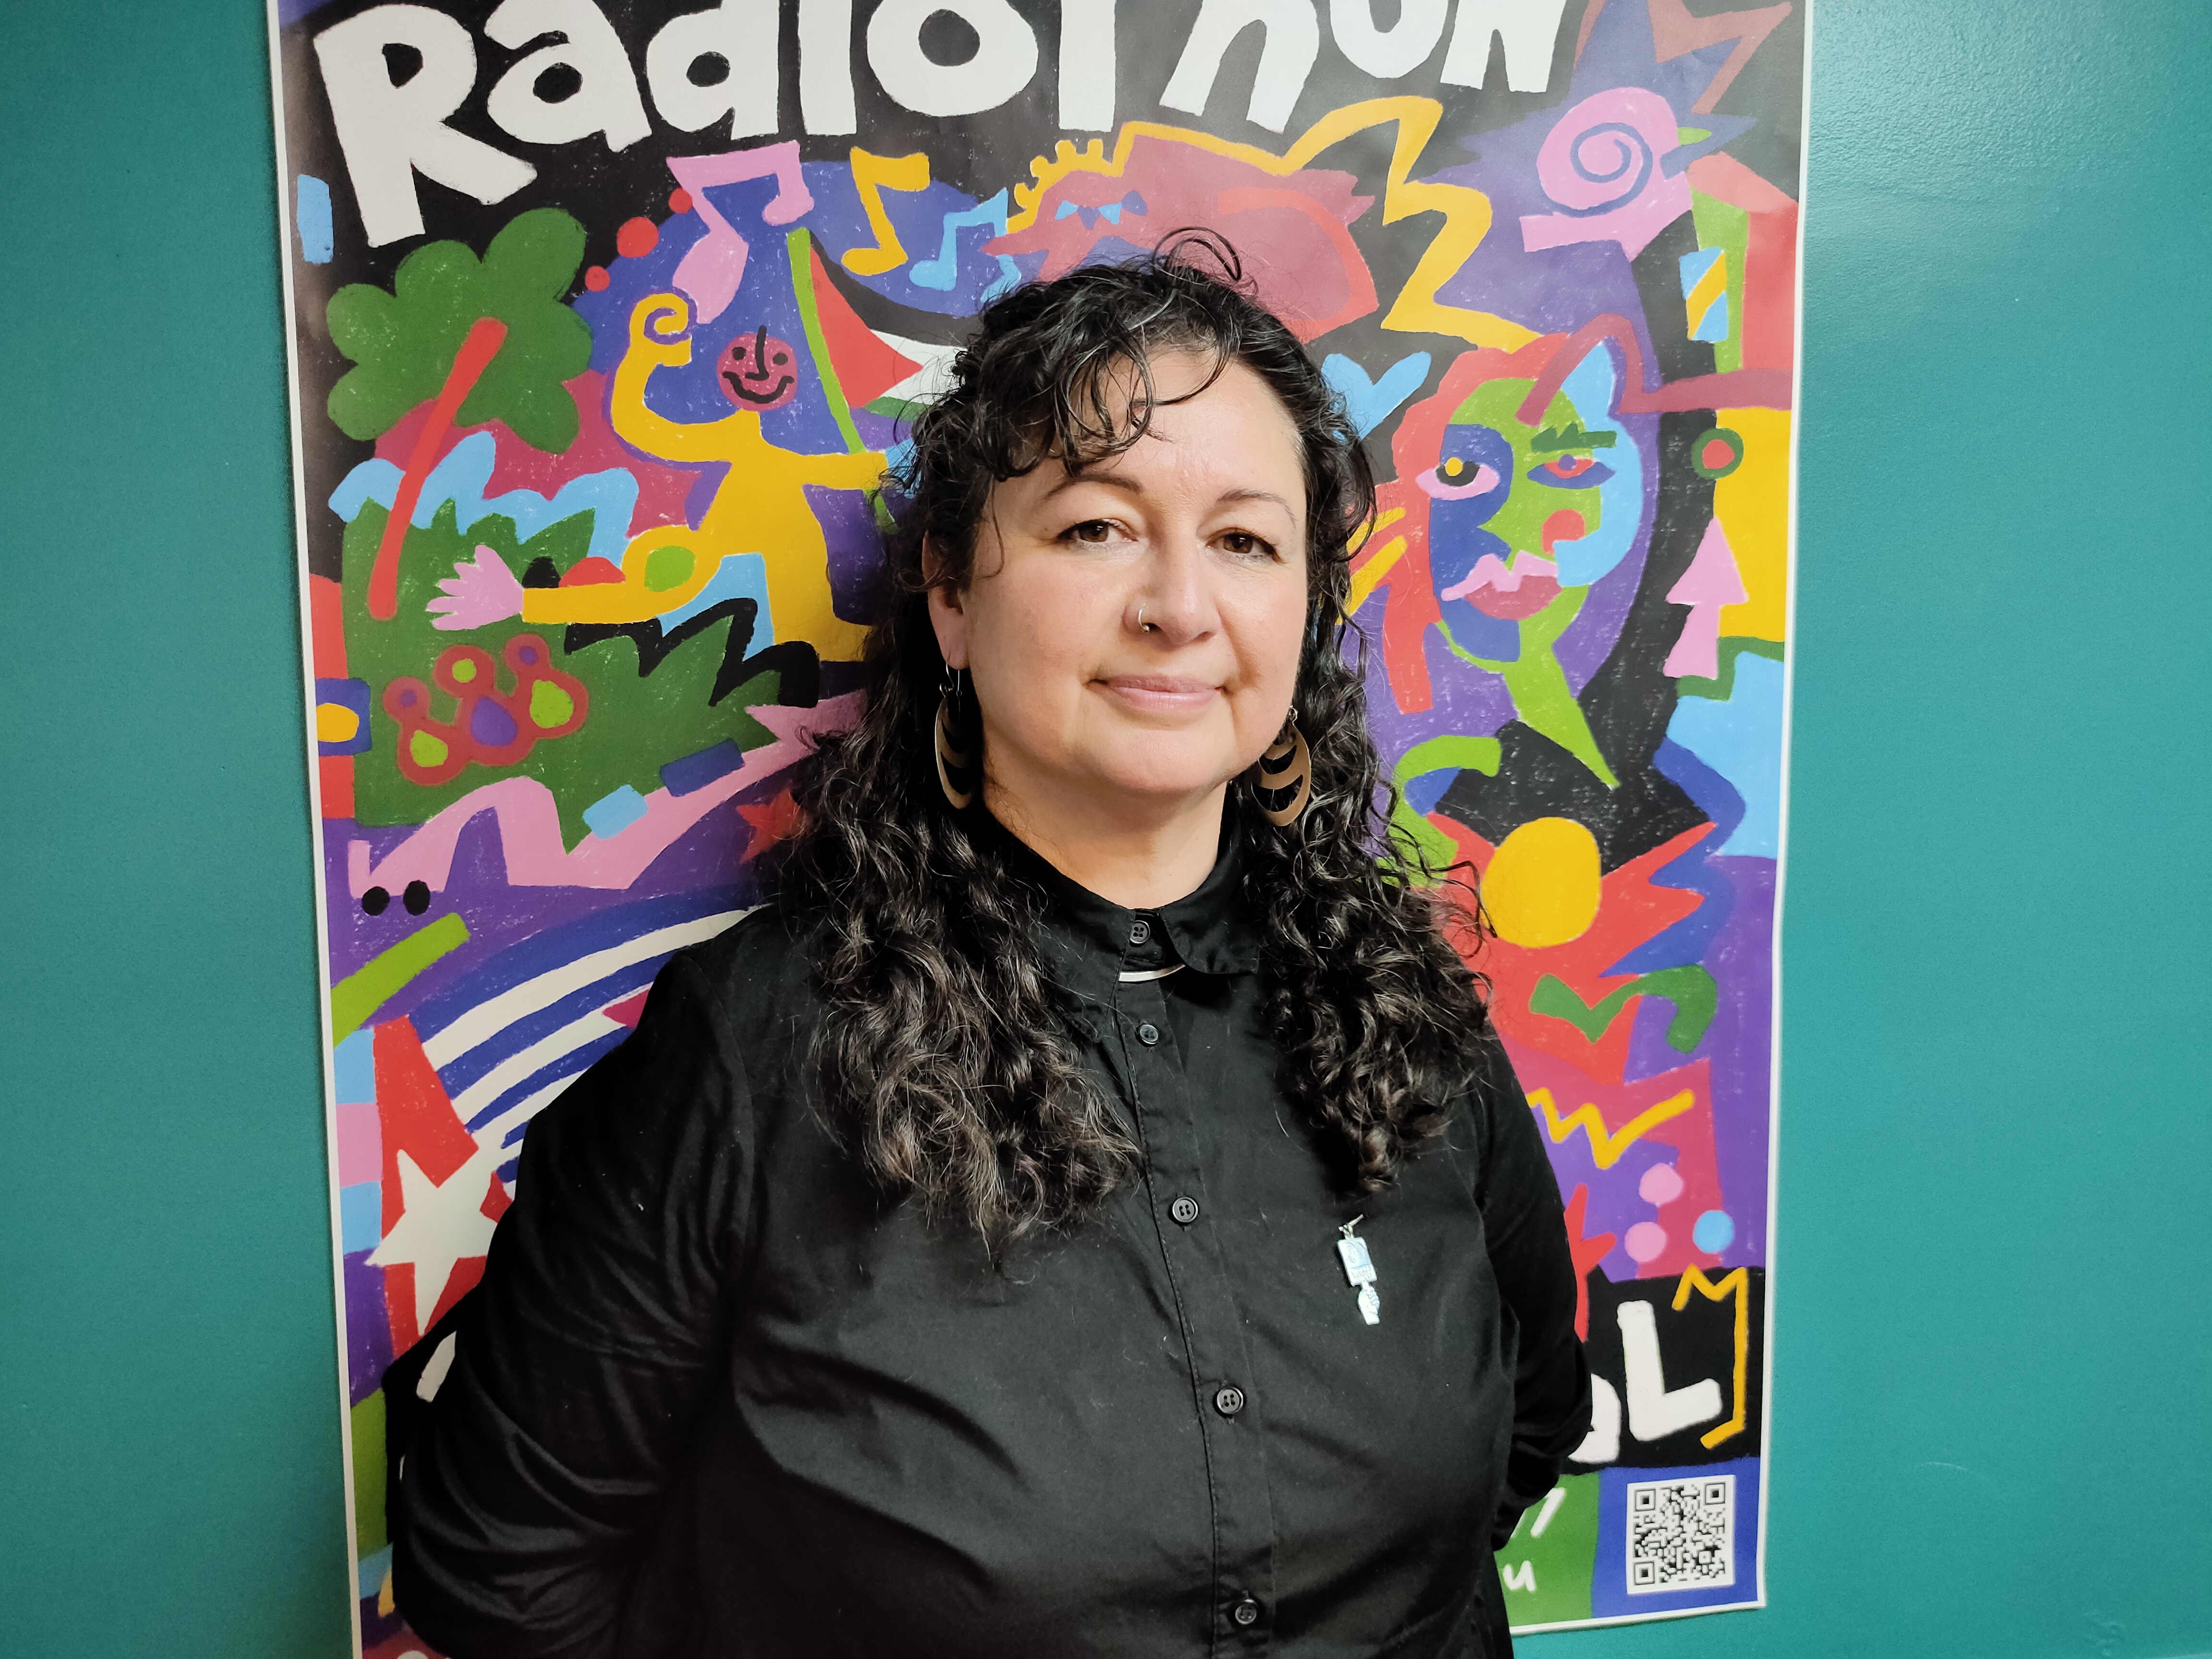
714, 1396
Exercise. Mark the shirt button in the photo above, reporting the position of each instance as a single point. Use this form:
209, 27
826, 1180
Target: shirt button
1184, 1210
1148, 1033
1228, 1399
1246, 1612
1139, 931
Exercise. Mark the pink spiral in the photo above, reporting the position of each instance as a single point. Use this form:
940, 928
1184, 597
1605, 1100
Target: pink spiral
1604, 166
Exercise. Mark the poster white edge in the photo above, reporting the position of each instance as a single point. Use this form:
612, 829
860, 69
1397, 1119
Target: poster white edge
1782, 840
286, 233
1652, 1617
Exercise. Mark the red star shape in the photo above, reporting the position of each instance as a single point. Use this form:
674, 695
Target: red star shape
771, 822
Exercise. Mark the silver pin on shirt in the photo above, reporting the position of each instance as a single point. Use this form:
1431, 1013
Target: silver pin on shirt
1359, 1270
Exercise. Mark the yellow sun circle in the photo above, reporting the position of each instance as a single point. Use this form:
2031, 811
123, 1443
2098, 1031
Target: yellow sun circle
1541, 887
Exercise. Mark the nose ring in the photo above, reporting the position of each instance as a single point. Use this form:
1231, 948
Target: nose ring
1144, 626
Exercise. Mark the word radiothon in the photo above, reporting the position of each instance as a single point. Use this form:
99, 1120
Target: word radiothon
392, 108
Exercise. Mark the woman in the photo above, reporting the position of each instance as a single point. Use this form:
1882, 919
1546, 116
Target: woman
1088, 1213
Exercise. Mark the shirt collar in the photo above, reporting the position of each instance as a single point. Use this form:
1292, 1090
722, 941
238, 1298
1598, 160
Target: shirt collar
1206, 930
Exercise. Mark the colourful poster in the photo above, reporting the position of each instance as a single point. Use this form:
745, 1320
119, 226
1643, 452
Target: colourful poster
603, 318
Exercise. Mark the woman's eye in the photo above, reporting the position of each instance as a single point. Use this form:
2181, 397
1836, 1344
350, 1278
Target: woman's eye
1245, 545
1091, 533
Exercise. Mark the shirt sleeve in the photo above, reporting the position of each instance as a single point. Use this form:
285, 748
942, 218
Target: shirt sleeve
538, 1468
1534, 1267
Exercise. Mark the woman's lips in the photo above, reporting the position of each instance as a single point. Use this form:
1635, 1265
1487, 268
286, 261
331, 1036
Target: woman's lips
1162, 693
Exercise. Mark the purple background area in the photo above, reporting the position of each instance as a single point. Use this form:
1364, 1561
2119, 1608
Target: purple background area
1740, 1044
707, 856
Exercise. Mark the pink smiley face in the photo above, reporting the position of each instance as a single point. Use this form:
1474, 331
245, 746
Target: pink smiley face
759, 371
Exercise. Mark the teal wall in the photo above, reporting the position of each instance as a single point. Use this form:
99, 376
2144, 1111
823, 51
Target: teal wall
1992, 1425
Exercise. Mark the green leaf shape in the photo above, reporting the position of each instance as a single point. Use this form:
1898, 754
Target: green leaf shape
637, 722
1454, 753
1691, 990
403, 342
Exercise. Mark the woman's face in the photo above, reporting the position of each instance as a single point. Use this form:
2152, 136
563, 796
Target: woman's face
1133, 628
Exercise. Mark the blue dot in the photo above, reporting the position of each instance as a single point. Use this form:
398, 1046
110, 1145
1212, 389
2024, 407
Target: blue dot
1714, 1233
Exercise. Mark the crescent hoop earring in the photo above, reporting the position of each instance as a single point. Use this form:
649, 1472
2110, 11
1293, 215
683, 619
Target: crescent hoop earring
1282, 779
956, 773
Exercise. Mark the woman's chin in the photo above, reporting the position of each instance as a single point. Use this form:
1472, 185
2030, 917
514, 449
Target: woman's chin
1130, 776
1144, 781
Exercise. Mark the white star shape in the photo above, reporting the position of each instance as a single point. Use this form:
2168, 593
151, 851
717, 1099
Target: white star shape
440, 1226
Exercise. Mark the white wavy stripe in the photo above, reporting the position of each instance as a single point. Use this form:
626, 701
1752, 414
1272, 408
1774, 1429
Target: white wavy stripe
520, 1068
476, 1026
492, 1138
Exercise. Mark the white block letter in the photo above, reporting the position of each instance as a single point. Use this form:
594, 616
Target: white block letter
1602, 1443
743, 34
389, 133
1530, 28
1086, 65
606, 103
1293, 42
1653, 1411
1523, 1577
1005, 56
1386, 54
825, 65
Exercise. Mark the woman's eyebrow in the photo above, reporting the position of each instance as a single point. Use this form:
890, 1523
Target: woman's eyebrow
1289, 511
1087, 474
1122, 481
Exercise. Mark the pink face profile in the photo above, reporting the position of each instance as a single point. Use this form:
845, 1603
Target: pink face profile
759, 371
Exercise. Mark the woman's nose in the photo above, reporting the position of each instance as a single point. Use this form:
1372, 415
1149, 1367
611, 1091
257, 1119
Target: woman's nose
1173, 605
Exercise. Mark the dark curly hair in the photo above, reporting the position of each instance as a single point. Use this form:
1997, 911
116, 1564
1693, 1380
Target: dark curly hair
942, 1052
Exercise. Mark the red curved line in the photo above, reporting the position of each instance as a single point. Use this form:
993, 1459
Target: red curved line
469, 361
1759, 388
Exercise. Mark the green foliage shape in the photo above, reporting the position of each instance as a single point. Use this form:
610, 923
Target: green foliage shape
402, 344
637, 723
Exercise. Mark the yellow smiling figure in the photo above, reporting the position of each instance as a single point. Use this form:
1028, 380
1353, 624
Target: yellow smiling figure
760, 507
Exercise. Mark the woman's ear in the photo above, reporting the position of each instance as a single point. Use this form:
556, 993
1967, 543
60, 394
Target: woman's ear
946, 616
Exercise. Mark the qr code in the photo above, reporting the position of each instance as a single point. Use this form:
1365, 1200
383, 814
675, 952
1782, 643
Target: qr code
1681, 1533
